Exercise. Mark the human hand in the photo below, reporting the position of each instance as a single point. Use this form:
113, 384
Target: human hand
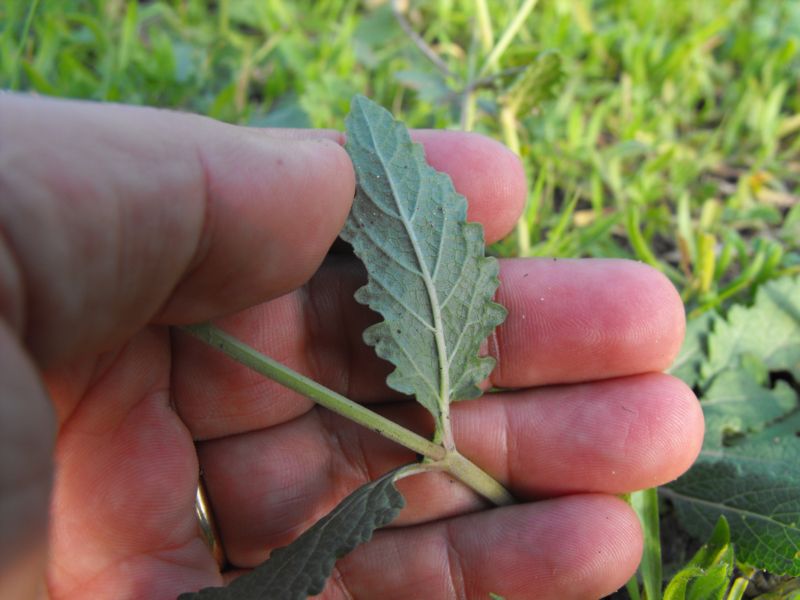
116, 222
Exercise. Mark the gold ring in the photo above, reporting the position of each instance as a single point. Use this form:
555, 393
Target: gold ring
207, 524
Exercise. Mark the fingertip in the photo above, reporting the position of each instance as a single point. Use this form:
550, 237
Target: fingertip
580, 546
582, 319
485, 171
679, 430
668, 312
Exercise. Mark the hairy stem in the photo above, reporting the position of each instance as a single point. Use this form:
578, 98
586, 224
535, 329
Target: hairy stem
252, 358
438, 457
479, 480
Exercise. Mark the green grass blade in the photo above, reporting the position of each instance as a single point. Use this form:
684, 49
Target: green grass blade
645, 503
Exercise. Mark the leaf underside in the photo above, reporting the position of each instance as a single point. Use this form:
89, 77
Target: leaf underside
427, 273
300, 569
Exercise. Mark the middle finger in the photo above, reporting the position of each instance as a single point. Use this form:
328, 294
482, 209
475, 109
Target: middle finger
610, 437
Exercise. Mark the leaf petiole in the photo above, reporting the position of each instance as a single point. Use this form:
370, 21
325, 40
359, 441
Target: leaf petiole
438, 457
252, 358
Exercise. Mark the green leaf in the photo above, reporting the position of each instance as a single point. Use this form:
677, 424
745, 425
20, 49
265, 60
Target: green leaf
300, 569
676, 590
736, 404
717, 550
539, 81
712, 584
645, 503
769, 330
693, 353
711, 568
748, 469
756, 486
790, 426
427, 273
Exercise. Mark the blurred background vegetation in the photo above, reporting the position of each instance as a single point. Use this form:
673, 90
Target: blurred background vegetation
669, 131
666, 131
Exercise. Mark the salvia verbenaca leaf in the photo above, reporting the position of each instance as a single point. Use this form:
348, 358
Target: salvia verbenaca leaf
300, 569
427, 273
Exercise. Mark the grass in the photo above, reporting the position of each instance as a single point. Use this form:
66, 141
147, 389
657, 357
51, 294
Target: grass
672, 135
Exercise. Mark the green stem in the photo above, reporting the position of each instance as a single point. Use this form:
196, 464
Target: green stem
508, 35
468, 111
260, 363
479, 480
738, 588
223, 15
438, 457
645, 503
417, 468
484, 25
633, 588
468, 98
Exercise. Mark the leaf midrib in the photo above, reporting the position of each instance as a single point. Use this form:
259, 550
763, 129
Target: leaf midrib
430, 287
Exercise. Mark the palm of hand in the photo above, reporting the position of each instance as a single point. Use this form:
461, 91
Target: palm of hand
273, 463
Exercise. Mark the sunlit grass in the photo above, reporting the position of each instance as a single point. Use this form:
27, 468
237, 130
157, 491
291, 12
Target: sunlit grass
674, 138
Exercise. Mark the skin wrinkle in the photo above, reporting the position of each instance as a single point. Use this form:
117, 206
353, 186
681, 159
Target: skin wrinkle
508, 446
631, 422
317, 337
351, 455
108, 370
454, 564
337, 342
364, 462
337, 579
205, 233
156, 509
311, 323
139, 588
27, 431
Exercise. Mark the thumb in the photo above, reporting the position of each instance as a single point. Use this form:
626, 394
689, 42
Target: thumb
27, 434
114, 216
